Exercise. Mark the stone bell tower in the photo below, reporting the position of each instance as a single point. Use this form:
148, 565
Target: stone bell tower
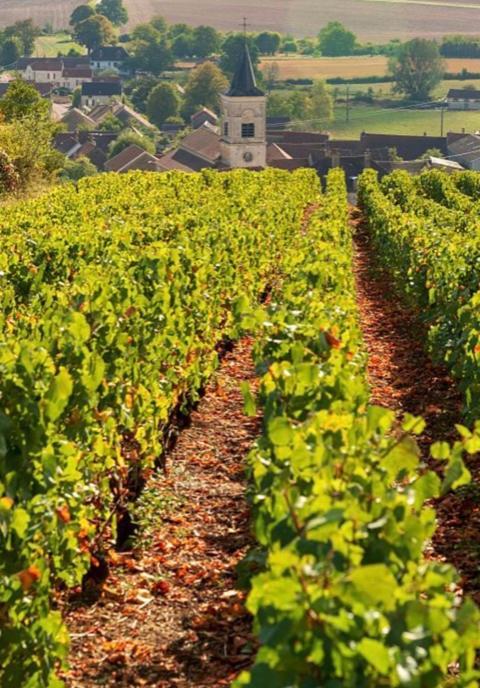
243, 140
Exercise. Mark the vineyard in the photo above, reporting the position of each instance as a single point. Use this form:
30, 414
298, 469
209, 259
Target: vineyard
120, 300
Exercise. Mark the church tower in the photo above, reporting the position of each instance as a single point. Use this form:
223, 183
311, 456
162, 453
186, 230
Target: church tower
243, 136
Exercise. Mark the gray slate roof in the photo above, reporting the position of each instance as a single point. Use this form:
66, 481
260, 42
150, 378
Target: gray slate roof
244, 82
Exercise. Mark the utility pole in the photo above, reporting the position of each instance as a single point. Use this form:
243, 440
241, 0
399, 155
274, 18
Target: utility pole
347, 105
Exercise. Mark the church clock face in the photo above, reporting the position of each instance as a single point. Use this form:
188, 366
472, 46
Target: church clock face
248, 157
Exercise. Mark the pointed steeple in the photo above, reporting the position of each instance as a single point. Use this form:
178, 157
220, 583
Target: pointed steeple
244, 82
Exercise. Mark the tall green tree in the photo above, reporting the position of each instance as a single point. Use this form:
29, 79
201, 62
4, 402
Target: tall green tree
27, 33
10, 51
129, 138
321, 105
23, 100
335, 40
268, 42
232, 49
94, 32
114, 11
81, 13
205, 41
153, 55
203, 88
162, 103
182, 46
417, 68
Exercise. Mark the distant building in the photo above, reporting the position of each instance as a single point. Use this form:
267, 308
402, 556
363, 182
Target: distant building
67, 72
133, 158
41, 70
75, 77
109, 57
466, 151
463, 99
243, 141
203, 116
100, 92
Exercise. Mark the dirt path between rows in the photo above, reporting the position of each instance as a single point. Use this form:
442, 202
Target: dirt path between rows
170, 613
403, 378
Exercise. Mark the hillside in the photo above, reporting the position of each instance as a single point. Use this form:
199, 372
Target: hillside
205, 378
375, 20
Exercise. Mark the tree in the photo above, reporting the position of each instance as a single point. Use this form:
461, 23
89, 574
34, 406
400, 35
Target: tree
290, 46
141, 91
94, 32
417, 69
175, 30
114, 11
270, 74
77, 98
300, 103
27, 141
77, 169
267, 42
26, 32
334, 40
129, 138
432, 153
23, 100
11, 50
279, 105
204, 85
147, 33
182, 45
111, 123
153, 55
321, 104
205, 41
162, 103
81, 13
232, 49
159, 24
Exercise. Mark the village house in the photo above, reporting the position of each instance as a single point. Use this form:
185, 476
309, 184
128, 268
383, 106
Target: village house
74, 77
66, 72
109, 57
463, 99
134, 158
41, 70
99, 93
203, 116
93, 145
466, 151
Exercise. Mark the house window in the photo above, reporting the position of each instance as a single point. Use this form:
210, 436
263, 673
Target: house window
225, 129
248, 130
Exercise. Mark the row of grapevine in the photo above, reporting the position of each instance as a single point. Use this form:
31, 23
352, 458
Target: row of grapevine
113, 296
433, 253
345, 598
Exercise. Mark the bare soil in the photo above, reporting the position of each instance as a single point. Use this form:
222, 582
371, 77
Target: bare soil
171, 612
370, 20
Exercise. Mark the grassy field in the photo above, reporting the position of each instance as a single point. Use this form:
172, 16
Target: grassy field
348, 67
50, 46
370, 19
396, 121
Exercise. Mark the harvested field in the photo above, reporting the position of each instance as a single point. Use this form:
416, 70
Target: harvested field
350, 67
370, 19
